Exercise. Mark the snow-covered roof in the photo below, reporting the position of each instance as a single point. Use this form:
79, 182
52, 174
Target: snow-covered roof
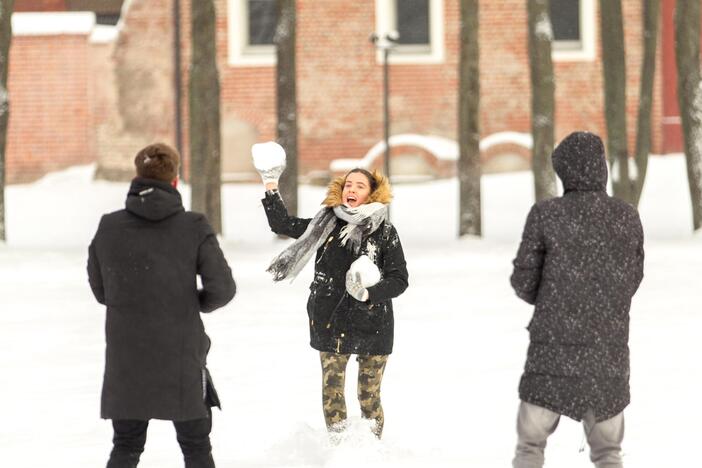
441, 147
51, 24
506, 138
103, 34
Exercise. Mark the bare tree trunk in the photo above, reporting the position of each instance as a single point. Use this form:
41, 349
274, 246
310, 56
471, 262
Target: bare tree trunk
6, 7
469, 122
286, 99
687, 52
614, 68
648, 73
542, 98
205, 168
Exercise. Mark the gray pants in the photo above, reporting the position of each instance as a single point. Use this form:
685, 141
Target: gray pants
535, 424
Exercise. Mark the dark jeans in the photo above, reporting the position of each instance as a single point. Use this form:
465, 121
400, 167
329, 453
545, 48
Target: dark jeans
193, 437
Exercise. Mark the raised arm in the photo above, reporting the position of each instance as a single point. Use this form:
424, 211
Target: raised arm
278, 218
269, 159
526, 276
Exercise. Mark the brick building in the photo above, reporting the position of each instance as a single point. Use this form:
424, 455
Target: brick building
101, 92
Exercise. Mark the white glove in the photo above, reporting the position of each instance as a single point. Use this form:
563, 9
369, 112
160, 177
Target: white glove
370, 275
269, 160
355, 288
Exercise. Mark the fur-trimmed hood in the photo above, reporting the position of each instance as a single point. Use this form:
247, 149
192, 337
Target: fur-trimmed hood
382, 194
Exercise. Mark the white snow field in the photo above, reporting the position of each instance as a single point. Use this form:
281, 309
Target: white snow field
450, 388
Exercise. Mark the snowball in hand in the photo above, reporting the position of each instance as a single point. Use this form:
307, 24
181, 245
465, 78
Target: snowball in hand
370, 275
267, 156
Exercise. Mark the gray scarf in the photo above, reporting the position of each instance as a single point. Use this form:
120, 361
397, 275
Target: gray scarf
362, 221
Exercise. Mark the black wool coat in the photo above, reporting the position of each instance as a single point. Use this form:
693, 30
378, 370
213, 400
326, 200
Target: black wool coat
580, 262
143, 265
338, 322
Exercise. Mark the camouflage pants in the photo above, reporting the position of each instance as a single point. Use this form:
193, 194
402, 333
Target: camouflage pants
370, 375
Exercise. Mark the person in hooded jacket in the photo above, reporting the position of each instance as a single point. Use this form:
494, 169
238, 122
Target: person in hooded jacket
346, 315
143, 265
579, 263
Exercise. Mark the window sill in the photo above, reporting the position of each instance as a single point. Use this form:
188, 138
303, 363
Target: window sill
573, 55
252, 60
412, 58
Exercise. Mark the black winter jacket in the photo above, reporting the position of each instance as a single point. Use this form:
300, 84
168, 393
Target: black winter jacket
339, 323
580, 262
143, 264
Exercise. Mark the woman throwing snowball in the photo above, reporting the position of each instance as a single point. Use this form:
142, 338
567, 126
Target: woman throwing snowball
359, 267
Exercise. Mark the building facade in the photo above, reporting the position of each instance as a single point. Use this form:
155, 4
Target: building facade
124, 82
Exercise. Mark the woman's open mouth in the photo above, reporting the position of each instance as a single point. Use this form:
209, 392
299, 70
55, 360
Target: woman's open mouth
351, 199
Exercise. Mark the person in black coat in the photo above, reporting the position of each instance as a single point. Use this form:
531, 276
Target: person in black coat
143, 266
580, 262
349, 312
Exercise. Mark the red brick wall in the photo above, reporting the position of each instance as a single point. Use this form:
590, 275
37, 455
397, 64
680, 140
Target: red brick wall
49, 125
40, 5
67, 5
580, 92
340, 83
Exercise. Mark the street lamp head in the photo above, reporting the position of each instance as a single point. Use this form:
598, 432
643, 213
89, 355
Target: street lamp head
386, 41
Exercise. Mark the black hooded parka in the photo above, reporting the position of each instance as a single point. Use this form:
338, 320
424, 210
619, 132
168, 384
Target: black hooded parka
143, 265
580, 262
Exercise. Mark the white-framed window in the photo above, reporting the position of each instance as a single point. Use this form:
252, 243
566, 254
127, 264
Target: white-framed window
420, 26
573, 25
251, 26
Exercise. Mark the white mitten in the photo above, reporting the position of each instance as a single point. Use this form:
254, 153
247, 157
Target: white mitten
355, 288
269, 160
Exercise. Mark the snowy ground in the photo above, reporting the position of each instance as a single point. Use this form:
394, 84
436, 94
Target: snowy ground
450, 388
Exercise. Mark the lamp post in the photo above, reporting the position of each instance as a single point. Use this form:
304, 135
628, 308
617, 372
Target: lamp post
385, 43
178, 83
